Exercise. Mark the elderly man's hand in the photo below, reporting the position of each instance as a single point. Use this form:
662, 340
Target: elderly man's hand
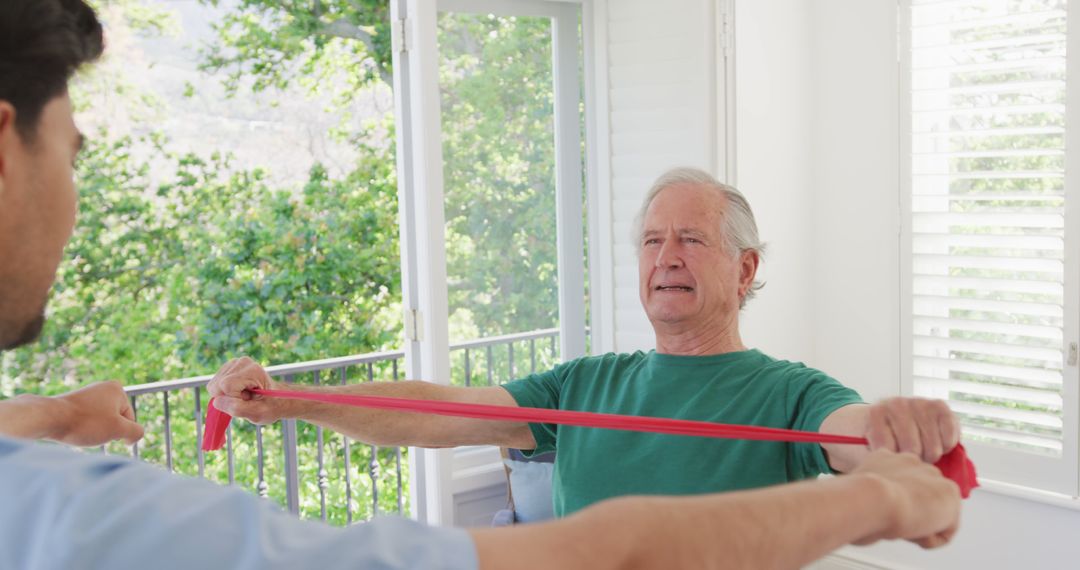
924, 506
927, 428
231, 387
94, 415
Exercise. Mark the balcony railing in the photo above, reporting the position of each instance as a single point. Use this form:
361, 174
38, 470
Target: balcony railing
308, 478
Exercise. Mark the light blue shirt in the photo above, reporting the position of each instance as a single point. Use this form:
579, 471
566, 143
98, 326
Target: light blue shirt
60, 509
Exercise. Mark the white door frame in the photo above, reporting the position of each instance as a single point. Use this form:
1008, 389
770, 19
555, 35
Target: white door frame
421, 206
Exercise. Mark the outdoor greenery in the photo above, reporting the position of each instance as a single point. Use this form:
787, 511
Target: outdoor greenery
182, 260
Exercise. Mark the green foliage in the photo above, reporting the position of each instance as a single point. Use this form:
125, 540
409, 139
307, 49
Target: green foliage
498, 148
214, 264
266, 44
291, 276
139, 16
498, 111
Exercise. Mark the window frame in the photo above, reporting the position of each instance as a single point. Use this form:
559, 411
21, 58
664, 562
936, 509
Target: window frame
1015, 467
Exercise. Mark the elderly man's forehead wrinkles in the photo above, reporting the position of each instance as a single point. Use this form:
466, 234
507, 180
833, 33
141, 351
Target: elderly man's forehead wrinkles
692, 232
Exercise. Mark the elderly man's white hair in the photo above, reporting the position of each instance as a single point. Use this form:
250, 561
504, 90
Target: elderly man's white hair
737, 224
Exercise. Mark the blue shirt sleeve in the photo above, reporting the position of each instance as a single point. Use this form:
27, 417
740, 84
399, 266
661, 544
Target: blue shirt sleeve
64, 509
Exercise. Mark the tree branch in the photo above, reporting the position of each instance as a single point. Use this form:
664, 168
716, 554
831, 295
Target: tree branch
345, 30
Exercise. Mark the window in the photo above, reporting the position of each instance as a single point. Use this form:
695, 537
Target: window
488, 102
990, 301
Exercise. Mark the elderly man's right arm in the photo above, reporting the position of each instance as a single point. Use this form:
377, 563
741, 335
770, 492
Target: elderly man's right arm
230, 386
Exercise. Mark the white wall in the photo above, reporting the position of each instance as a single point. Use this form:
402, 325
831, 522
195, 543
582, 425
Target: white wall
660, 68
856, 191
825, 71
773, 110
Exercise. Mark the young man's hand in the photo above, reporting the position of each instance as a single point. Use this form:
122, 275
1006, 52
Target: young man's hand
94, 415
924, 506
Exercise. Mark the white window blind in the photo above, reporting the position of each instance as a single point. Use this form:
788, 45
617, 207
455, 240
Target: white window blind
987, 304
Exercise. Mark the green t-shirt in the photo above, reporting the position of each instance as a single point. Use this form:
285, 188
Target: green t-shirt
738, 388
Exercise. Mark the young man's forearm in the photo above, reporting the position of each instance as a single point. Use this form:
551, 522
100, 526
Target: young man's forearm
93, 415
780, 527
30, 417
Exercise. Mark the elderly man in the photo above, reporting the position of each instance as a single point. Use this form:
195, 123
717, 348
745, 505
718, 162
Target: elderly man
698, 253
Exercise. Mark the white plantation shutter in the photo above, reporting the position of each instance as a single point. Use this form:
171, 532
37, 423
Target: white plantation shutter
987, 314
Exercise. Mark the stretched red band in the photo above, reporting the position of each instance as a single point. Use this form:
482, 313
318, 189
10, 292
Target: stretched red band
955, 465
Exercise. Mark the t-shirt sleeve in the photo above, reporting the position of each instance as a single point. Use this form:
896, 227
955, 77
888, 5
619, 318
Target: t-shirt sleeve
812, 397
540, 390
63, 509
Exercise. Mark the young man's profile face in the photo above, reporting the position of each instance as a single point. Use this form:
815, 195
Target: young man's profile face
37, 214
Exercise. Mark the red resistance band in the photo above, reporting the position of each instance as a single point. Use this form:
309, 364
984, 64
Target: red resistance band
955, 464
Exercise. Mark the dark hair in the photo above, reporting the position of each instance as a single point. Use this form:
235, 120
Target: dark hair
42, 43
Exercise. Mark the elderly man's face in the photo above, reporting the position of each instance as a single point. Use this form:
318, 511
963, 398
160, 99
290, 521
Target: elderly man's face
688, 277
37, 215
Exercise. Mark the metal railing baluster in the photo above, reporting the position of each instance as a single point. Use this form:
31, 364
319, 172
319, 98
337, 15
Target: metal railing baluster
231, 457
261, 487
490, 366
168, 433
373, 464
292, 464
324, 478
468, 369
135, 413
348, 468
199, 433
510, 355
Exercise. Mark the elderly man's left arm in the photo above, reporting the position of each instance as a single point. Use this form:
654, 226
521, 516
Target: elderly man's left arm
925, 427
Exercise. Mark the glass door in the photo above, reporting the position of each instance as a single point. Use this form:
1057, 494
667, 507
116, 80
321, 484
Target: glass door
490, 174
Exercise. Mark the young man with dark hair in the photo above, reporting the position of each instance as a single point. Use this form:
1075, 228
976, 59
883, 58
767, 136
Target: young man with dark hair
63, 509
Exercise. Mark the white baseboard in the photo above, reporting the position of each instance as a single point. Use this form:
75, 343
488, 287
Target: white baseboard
853, 559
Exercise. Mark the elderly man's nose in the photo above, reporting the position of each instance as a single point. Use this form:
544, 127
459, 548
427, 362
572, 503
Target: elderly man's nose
668, 257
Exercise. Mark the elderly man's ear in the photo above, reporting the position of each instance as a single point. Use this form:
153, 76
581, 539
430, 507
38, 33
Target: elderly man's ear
749, 264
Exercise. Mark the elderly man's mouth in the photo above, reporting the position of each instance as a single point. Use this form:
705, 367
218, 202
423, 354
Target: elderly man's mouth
681, 288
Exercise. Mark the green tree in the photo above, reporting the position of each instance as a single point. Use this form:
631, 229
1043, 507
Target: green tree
498, 132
